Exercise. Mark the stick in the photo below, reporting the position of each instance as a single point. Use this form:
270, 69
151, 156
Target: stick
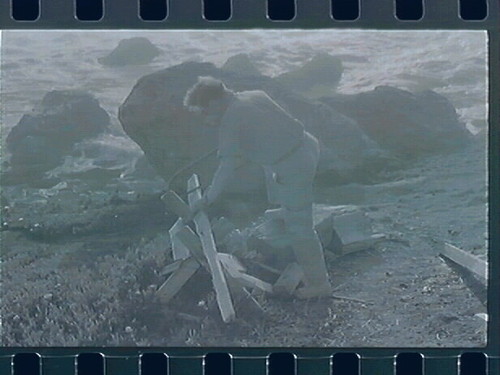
351, 299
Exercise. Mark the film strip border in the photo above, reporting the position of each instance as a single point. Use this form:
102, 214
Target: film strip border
132, 14
170, 14
220, 363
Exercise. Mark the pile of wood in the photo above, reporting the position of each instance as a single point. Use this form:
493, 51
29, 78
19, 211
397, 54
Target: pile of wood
342, 230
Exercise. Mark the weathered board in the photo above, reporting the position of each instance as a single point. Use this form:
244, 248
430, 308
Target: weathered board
179, 251
289, 280
172, 267
192, 242
204, 231
237, 272
177, 279
472, 263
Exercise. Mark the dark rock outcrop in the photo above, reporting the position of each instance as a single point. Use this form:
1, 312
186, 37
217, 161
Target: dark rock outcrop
404, 123
323, 69
133, 51
153, 115
41, 139
241, 64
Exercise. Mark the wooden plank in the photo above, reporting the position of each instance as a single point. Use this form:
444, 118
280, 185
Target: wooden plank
363, 244
289, 279
236, 270
470, 262
192, 242
352, 227
324, 229
172, 267
177, 280
230, 261
244, 302
179, 250
204, 231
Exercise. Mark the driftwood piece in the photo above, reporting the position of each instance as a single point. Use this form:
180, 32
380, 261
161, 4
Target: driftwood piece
192, 242
244, 303
289, 280
363, 244
237, 272
177, 279
172, 267
352, 227
468, 261
341, 229
179, 250
204, 231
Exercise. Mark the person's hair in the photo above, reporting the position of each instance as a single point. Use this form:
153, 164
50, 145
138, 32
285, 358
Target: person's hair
203, 92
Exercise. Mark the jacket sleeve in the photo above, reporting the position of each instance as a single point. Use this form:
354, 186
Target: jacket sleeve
229, 134
222, 175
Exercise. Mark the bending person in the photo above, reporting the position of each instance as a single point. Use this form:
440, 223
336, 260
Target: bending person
253, 127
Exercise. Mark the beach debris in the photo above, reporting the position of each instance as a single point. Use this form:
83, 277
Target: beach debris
341, 229
354, 232
289, 279
471, 263
176, 281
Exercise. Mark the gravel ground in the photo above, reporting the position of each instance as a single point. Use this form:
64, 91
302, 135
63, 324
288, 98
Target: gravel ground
93, 285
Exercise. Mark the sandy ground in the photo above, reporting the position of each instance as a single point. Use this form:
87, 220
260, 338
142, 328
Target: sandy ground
90, 283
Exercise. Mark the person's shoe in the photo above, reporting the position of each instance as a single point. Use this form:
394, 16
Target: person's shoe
324, 290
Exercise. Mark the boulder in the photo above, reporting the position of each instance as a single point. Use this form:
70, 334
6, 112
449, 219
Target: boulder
241, 64
406, 124
108, 162
154, 116
323, 70
41, 139
133, 51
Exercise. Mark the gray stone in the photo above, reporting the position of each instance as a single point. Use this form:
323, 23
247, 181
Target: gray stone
153, 115
133, 51
407, 124
241, 64
323, 69
41, 139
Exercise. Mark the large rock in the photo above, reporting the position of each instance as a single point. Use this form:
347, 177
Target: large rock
323, 70
133, 51
41, 139
108, 162
153, 115
241, 64
407, 124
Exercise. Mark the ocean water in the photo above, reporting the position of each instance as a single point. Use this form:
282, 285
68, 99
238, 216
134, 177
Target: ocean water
453, 63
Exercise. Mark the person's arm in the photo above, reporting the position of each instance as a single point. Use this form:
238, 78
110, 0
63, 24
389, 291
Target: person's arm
226, 168
221, 177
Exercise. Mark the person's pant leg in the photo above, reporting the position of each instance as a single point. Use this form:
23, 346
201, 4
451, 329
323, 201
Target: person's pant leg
306, 246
